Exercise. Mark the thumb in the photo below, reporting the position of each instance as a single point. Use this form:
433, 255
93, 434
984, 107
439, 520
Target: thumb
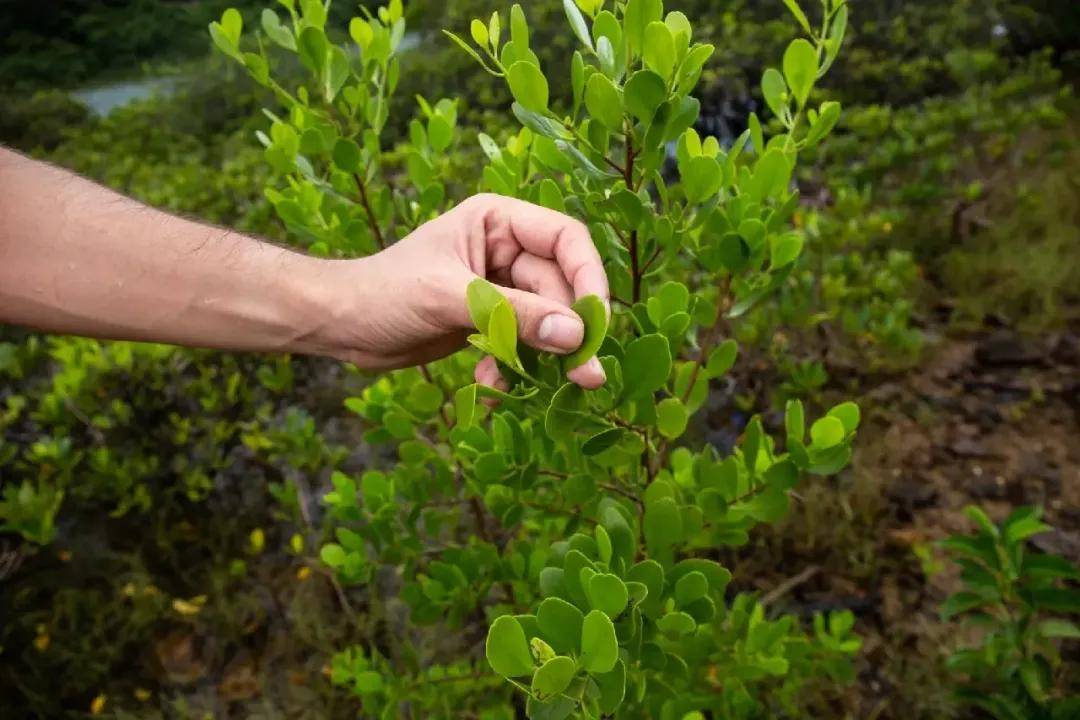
543, 323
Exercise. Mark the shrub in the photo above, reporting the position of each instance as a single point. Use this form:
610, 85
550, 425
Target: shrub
575, 520
1017, 601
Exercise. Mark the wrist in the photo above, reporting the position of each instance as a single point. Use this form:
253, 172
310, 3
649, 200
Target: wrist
326, 298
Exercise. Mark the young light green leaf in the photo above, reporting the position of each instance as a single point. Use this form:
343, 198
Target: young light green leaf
276, 31
481, 298
577, 23
800, 16
774, 90
560, 622
502, 333
507, 649
479, 32
594, 315
639, 14
800, 69
827, 432
848, 414
828, 115
465, 405
659, 49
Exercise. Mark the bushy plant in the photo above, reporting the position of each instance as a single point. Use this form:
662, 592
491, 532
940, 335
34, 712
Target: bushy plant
1019, 602
574, 519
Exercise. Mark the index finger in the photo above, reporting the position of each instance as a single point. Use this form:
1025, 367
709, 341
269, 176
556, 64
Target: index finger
551, 234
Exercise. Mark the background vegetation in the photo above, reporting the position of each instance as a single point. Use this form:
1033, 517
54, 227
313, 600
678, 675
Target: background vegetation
160, 508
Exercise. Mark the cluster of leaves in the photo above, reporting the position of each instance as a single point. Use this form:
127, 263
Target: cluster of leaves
952, 176
575, 509
1020, 602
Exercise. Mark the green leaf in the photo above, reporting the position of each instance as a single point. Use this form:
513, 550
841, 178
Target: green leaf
785, 249
577, 79
594, 315
502, 333
659, 49
560, 622
332, 555
722, 358
608, 594
1032, 677
837, 29
1057, 628
566, 412
702, 178
482, 297
553, 677
800, 69
848, 414
313, 49
612, 687
800, 16
644, 92
479, 32
277, 32
507, 649
346, 155
1060, 600
457, 41
794, 421
662, 524
827, 432
232, 24
519, 28
603, 101
465, 405
337, 72
771, 175
646, 365
828, 114
577, 22
774, 90
528, 86
602, 441
959, 603
599, 647
639, 14
690, 587
1022, 524
980, 518
676, 624
671, 418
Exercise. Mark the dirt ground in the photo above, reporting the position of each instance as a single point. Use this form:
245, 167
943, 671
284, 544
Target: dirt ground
991, 418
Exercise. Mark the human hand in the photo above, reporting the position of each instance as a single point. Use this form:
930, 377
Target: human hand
407, 306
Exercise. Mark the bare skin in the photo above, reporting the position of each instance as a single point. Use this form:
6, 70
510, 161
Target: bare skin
77, 258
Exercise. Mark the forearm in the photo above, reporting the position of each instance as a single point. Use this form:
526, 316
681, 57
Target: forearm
78, 258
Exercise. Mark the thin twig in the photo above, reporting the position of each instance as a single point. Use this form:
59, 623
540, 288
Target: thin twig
790, 584
372, 222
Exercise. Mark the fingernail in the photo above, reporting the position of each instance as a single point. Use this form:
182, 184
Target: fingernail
560, 332
590, 376
594, 366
